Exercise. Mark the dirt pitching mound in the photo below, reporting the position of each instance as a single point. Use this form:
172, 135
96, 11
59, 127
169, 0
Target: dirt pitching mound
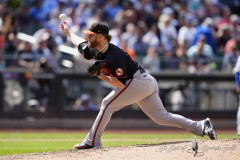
227, 149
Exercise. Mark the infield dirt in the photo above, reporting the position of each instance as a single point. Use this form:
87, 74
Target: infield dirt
224, 149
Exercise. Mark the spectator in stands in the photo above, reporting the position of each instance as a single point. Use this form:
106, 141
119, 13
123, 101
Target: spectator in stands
72, 19
51, 26
169, 61
182, 58
10, 48
129, 32
137, 44
170, 12
213, 9
26, 56
151, 37
230, 59
9, 28
97, 15
197, 8
201, 43
26, 23
223, 35
111, 9
187, 31
126, 16
82, 13
130, 51
116, 32
38, 13
206, 28
200, 60
151, 18
61, 7
168, 32
235, 24
151, 61
84, 103
225, 17
235, 41
46, 60
143, 6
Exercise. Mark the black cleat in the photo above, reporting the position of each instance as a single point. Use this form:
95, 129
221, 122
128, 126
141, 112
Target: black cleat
208, 129
82, 146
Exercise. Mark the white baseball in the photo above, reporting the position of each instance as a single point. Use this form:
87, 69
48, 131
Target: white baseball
63, 17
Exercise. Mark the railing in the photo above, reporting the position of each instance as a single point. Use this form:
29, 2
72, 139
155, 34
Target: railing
54, 95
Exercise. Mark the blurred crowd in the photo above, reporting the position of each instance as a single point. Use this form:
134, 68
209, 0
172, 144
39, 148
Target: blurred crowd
192, 36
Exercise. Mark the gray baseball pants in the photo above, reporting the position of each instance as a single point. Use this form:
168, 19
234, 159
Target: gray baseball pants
143, 90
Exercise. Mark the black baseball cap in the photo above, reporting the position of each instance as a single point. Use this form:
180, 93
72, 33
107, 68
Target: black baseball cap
97, 27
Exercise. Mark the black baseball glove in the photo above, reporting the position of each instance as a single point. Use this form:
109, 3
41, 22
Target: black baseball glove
94, 68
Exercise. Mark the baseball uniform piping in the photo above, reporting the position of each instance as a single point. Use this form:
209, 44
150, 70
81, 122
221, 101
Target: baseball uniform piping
94, 136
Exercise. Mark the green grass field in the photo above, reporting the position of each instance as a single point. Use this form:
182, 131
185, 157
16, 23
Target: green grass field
19, 142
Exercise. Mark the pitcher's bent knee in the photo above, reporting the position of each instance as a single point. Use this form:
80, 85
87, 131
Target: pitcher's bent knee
106, 105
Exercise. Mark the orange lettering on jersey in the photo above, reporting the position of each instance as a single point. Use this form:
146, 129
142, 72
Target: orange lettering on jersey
106, 71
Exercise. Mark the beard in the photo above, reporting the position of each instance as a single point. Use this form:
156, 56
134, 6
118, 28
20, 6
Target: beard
92, 44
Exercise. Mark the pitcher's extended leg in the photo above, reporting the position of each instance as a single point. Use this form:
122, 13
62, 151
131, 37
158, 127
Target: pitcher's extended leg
153, 107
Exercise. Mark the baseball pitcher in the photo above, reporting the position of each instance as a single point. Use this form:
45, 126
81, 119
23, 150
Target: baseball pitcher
132, 85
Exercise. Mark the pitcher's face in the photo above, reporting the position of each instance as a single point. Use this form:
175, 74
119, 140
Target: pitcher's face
93, 40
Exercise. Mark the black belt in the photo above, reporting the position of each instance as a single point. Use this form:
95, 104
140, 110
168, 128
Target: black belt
139, 71
142, 70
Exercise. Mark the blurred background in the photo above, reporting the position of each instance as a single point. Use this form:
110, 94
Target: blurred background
190, 47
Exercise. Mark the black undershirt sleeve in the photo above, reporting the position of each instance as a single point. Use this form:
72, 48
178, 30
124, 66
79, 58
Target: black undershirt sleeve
85, 50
